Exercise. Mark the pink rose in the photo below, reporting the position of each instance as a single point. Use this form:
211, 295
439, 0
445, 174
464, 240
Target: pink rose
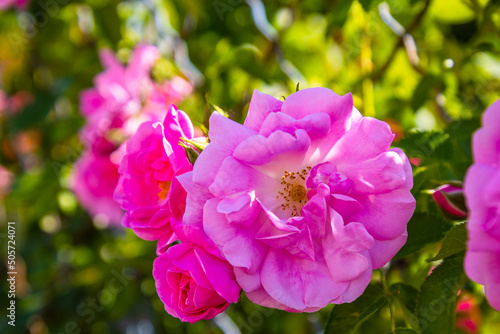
126, 96
194, 284
123, 98
118, 94
482, 193
304, 200
153, 200
95, 176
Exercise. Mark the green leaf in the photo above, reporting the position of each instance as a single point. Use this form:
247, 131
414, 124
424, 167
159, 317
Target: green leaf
422, 143
437, 301
339, 13
367, 4
461, 12
34, 113
345, 318
423, 229
406, 294
454, 242
422, 91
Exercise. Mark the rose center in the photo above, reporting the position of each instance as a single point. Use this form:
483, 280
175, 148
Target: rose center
298, 192
293, 192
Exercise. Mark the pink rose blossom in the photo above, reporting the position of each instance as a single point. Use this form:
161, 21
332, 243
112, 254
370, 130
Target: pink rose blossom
95, 177
303, 200
482, 193
123, 98
118, 93
194, 284
126, 96
147, 189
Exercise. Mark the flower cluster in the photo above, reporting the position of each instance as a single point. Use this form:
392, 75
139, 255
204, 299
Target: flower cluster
482, 192
122, 99
295, 207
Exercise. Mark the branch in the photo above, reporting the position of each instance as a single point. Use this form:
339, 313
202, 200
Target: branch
405, 38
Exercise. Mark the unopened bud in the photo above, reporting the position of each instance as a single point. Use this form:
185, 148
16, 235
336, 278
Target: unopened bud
450, 199
193, 148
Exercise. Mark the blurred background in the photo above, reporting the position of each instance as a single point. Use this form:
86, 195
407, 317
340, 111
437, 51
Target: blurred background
424, 66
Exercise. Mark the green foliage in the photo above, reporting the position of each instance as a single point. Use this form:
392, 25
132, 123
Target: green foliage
436, 303
406, 295
454, 242
423, 229
345, 318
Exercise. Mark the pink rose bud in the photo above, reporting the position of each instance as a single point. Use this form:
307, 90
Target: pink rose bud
194, 284
450, 199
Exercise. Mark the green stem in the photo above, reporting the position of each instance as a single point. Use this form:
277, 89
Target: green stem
389, 299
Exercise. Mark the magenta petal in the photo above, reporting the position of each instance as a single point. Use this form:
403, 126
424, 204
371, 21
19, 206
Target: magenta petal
261, 106
486, 141
384, 250
356, 287
377, 175
254, 150
316, 125
281, 142
385, 215
239, 249
184, 258
352, 264
248, 282
346, 206
365, 140
108, 59
277, 122
477, 177
315, 213
484, 268
261, 297
227, 133
318, 100
233, 177
353, 237
220, 274
293, 287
